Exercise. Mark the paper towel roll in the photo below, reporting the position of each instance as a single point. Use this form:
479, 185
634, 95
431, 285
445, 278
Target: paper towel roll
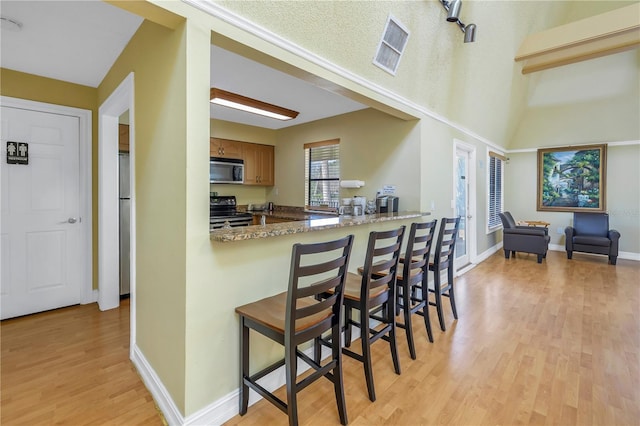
351, 183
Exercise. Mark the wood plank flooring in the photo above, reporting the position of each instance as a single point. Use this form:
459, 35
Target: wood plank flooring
71, 366
550, 343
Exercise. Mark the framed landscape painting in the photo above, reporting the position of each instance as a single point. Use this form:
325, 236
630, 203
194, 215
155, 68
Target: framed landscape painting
572, 179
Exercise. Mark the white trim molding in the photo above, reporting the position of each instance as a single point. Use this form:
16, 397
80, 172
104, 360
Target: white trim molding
217, 11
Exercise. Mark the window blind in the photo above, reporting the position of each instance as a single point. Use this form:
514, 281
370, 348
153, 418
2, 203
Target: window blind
496, 162
322, 174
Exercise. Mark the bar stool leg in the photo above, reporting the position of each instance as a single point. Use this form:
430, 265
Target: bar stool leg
348, 324
438, 295
366, 355
392, 336
338, 386
244, 369
425, 315
452, 297
408, 328
291, 367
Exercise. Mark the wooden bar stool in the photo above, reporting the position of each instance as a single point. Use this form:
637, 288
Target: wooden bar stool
443, 260
311, 306
373, 295
412, 280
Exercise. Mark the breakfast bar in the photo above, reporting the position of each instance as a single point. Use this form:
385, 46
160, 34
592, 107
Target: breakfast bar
313, 223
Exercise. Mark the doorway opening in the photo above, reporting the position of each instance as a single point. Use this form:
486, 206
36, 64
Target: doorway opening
109, 118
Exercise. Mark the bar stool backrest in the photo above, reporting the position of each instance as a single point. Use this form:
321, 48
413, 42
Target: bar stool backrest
381, 266
418, 251
445, 245
313, 276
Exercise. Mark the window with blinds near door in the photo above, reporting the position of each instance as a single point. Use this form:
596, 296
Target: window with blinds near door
496, 185
322, 173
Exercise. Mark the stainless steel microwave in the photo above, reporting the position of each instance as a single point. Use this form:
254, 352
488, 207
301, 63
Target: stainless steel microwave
226, 170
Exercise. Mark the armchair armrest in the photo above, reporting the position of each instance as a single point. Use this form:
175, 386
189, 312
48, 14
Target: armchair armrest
569, 232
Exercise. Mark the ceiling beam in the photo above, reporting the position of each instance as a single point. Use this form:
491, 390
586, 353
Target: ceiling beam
589, 38
150, 12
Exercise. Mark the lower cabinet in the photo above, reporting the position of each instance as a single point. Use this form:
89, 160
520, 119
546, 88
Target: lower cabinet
258, 164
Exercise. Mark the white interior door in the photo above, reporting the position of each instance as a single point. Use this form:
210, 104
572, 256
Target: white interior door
40, 226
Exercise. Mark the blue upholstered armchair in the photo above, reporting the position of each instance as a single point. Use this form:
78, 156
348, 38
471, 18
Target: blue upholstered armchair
590, 233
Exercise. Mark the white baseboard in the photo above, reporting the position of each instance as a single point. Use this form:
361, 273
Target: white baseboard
91, 297
219, 411
160, 394
479, 259
227, 407
628, 255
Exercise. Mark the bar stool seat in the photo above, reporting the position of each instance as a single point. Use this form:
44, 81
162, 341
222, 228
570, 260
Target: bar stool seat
312, 305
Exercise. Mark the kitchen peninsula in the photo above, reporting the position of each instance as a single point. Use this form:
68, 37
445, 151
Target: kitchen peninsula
314, 223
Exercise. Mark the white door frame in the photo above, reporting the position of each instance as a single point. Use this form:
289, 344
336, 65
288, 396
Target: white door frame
86, 221
121, 100
471, 173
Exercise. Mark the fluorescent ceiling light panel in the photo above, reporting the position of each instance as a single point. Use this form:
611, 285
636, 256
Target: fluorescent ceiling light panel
233, 100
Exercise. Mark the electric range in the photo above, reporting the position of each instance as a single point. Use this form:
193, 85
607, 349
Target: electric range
223, 211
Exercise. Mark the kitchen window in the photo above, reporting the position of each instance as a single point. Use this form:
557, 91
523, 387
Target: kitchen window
496, 190
322, 173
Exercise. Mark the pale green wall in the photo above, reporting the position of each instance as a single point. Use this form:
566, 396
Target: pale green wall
157, 56
374, 147
622, 186
437, 71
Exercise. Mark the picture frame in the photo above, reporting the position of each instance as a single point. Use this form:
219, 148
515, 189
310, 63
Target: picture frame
572, 178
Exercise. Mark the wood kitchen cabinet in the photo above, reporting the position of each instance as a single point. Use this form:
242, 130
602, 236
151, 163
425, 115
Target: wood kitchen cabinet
225, 148
123, 137
258, 164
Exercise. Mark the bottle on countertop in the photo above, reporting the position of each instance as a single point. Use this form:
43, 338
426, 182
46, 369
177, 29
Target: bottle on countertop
270, 206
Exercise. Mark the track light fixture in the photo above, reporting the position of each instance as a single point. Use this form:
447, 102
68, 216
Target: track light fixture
453, 8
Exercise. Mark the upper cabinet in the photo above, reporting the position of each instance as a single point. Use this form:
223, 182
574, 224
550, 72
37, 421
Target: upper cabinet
225, 148
123, 138
258, 164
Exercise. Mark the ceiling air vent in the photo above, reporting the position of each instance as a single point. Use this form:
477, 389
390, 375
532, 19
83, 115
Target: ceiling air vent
392, 44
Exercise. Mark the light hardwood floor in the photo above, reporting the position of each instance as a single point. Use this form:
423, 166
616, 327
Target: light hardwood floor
550, 343
71, 366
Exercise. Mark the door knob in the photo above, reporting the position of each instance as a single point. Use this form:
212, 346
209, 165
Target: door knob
469, 216
72, 220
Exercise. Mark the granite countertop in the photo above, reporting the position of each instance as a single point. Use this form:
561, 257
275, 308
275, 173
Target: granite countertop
314, 222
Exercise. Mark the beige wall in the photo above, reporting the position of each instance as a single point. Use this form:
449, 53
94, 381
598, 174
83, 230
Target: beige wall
157, 56
623, 195
374, 147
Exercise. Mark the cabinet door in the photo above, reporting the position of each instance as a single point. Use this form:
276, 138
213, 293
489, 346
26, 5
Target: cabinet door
225, 148
123, 137
267, 165
258, 164
250, 154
